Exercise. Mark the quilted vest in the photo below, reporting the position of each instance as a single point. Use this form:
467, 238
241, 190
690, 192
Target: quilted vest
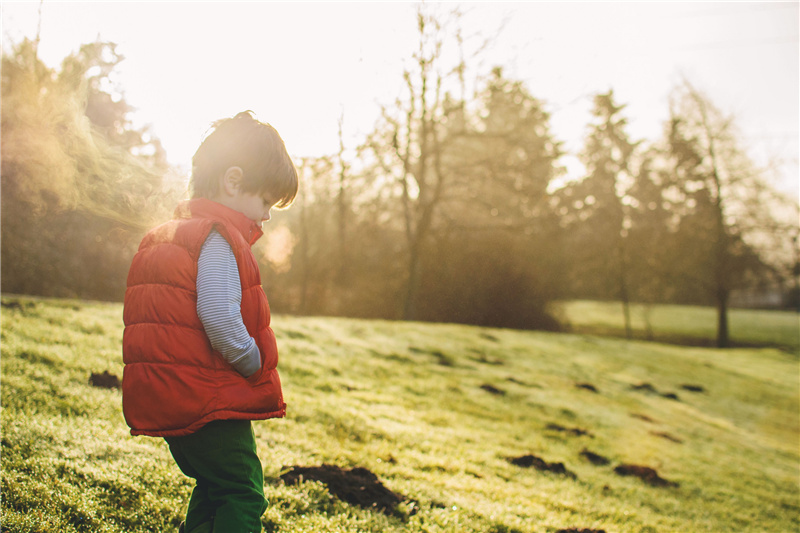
174, 382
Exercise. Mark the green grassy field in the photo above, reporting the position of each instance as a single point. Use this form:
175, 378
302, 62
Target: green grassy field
680, 324
436, 412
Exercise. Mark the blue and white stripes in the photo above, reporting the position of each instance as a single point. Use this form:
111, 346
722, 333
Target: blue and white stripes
219, 300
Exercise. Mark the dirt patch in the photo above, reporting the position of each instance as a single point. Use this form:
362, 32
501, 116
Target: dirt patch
16, 305
640, 416
649, 388
491, 389
577, 432
665, 435
693, 388
512, 379
528, 461
441, 358
357, 486
105, 380
645, 387
645, 473
594, 458
580, 530
587, 386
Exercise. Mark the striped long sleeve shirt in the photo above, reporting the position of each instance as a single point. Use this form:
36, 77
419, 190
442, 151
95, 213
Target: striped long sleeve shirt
219, 300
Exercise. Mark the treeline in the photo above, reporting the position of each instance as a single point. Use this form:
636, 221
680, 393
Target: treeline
450, 210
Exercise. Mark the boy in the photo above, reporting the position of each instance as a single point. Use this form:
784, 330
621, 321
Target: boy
200, 356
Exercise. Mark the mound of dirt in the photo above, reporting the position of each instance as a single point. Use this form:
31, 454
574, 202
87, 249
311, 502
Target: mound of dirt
577, 432
512, 379
357, 486
594, 458
645, 473
491, 389
665, 435
649, 388
106, 380
693, 388
528, 461
11, 304
587, 386
17, 305
646, 387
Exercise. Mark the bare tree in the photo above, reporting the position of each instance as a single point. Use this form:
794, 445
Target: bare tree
724, 198
415, 132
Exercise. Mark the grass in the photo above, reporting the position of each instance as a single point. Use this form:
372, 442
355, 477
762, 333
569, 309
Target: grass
435, 411
680, 324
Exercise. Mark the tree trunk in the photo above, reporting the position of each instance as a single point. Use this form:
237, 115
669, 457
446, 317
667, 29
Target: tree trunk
341, 200
415, 250
412, 289
721, 247
623, 290
723, 340
305, 267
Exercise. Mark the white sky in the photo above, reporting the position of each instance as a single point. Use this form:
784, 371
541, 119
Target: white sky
301, 65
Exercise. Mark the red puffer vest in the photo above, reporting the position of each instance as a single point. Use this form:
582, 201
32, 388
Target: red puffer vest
174, 382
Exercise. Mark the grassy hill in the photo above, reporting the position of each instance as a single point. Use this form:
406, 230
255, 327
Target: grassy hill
471, 429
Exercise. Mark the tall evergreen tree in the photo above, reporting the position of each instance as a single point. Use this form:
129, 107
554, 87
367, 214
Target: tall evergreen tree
600, 206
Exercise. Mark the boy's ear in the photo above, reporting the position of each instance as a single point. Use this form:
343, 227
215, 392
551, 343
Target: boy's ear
232, 180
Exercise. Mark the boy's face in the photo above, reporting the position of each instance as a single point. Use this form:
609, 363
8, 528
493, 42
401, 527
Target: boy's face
256, 206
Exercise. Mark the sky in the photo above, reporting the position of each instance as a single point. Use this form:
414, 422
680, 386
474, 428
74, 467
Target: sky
302, 66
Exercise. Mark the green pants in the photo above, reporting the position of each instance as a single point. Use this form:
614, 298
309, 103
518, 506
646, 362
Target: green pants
228, 496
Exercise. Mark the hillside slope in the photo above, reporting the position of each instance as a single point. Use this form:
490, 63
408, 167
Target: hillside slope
471, 429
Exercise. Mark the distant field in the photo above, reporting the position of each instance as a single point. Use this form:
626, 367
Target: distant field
471, 429
683, 324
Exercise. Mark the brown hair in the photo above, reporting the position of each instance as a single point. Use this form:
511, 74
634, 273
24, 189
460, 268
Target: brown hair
253, 146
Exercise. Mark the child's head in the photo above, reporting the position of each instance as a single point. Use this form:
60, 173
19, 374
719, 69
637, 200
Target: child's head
253, 146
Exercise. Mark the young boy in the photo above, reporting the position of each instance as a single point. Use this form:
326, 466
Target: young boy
200, 356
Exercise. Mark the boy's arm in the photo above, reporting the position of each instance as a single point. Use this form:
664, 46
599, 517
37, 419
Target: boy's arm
219, 300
